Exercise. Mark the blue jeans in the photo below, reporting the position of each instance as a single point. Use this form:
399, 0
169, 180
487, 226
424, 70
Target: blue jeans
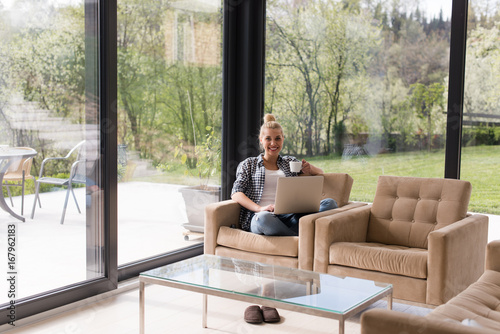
267, 223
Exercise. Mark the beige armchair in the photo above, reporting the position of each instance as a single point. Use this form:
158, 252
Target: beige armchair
294, 252
416, 235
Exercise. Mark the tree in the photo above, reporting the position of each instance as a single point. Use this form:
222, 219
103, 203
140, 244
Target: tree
44, 67
140, 44
316, 55
427, 101
48, 63
346, 54
482, 73
168, 96
300, 38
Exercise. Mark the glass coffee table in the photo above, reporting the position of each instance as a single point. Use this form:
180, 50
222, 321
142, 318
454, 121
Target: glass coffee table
275, 286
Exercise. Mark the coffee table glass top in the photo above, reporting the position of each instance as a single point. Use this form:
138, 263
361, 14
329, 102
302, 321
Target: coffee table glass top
293, 286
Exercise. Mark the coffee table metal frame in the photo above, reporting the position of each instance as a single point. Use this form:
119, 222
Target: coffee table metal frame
205, 291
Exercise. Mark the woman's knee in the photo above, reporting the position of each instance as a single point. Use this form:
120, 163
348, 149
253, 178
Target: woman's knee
328, 204
259, 221
262, 216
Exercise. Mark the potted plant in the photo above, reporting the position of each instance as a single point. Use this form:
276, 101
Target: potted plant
203, 162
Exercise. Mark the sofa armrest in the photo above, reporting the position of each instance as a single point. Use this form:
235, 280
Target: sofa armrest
493, 255
351, 226
307, 229
225, 213
381, 321
456, 257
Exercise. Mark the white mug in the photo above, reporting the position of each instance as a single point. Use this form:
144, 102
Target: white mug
295, 166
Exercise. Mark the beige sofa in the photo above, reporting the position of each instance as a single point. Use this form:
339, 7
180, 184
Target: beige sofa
416, 235
294, 252
475, 310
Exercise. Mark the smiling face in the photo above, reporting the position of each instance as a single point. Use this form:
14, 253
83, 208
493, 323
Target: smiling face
271, 141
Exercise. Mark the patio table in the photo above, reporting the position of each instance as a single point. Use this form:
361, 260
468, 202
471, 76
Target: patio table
8, 157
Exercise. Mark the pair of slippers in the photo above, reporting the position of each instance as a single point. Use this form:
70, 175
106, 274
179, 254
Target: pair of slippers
256, 315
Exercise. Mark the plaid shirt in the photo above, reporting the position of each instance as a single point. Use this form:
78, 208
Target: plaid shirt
250, 177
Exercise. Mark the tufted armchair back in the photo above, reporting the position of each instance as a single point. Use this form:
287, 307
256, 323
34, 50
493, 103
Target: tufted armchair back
405, 209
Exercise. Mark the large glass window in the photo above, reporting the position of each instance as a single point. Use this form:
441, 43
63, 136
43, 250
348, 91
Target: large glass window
361, 87
481, 123
169, 123
49, 105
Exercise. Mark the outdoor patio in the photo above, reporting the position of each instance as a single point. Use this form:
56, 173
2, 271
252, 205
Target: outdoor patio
50, 255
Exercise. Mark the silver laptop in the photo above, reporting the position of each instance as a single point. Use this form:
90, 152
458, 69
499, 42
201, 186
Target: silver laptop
301, 194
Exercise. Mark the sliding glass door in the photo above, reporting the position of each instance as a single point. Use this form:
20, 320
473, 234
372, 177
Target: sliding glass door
50, 103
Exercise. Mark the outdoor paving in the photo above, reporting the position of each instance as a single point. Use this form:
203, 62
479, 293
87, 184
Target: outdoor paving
50, 255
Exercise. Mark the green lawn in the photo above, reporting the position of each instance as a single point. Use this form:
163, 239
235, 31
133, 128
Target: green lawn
480, 166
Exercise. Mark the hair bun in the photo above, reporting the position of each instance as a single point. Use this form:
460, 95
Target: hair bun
269, 118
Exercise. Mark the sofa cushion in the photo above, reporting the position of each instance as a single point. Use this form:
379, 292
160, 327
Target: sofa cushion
263, 244
406, 209
400, 260
479, 302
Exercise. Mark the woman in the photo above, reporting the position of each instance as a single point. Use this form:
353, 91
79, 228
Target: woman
255, 185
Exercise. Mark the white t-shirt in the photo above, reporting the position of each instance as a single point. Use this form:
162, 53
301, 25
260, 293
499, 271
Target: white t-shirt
269, 192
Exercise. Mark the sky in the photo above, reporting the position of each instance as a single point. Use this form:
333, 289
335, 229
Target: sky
432, 8
8, 3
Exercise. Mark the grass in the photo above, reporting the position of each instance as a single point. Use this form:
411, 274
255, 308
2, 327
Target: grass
480, 166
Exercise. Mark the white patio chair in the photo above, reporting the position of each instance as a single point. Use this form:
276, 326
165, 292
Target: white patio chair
77, 175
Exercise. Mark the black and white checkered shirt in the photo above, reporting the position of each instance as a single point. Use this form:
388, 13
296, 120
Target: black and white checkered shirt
250, 177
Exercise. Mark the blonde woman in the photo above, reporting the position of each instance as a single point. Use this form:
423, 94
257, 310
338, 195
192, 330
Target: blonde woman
255, 185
